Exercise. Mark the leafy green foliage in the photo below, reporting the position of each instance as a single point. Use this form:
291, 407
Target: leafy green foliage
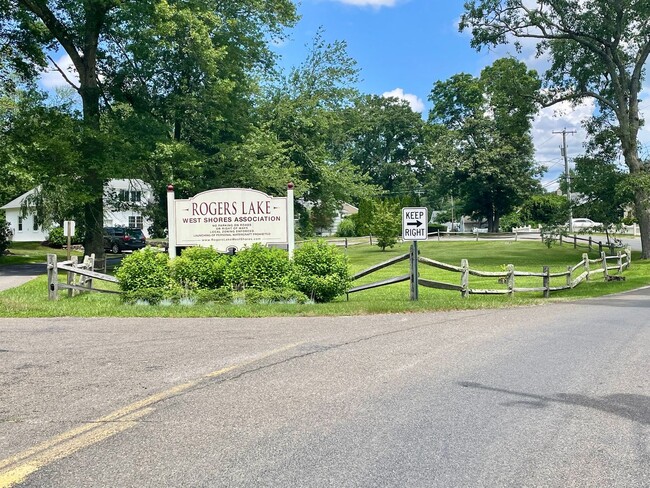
56, 238
282, 295
5, 236
320, 271
598, 50
386, 224
347, 228
547, 209
200, 267
214, 295
487, 121
146, 268
258, 267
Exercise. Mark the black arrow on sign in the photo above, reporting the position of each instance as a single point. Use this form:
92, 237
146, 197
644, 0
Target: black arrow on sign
417, 223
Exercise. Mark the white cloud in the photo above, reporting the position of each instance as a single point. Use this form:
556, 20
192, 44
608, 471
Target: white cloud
417, 105
547, 144
51, 78
369, 3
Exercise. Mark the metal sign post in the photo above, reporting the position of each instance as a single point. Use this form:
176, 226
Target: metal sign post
414, 228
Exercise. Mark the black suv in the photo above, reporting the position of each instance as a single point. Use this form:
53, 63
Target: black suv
118, 239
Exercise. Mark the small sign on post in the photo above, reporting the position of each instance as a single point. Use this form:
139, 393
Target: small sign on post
415, 227
68, 231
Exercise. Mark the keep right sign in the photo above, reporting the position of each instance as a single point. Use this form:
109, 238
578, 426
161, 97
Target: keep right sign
415, 223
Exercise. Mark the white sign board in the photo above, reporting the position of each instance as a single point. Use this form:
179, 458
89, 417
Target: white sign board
415, 223
68, 228
230, 219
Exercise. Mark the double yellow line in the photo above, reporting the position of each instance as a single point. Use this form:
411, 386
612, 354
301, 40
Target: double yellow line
17, 468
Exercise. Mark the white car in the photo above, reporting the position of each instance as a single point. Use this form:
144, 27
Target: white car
584, 224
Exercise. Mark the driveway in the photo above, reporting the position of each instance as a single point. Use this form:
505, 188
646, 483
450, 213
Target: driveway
18, 274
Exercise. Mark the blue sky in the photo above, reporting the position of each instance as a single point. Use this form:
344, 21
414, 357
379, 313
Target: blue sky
404, 46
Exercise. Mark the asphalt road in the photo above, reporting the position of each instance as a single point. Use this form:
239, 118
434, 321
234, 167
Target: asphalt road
556, 395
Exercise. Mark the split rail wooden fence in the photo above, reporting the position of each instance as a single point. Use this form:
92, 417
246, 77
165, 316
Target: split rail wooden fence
589, 268
80, 276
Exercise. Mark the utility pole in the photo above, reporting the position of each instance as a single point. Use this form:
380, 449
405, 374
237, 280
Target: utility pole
563, 150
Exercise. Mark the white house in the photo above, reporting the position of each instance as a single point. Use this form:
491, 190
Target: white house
129, 195
343, 211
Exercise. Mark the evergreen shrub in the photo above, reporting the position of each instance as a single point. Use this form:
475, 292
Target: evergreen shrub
320, 271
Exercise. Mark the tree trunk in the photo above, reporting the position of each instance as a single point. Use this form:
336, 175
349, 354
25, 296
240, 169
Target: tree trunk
642, 210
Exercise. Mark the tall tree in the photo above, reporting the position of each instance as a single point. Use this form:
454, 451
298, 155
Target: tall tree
386, 141
488, 122
101, 38
307, 111
598, 49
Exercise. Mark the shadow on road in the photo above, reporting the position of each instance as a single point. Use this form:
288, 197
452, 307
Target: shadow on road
626, 405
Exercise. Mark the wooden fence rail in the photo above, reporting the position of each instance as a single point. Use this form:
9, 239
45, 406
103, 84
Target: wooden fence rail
508, 276
80, 276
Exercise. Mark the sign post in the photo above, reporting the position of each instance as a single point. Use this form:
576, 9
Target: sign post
414, 228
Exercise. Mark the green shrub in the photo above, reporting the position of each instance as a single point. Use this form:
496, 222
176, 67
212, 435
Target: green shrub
214, 295
320, 271
56, 238
146, 268
347, 228
259, 267
152, 296
5, 236
282, 295
386, 225
199, 267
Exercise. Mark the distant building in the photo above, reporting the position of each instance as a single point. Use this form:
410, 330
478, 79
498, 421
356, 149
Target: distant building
131, 196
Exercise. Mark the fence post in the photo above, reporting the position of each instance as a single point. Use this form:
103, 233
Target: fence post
438, 235
604, 258
464, 278
70, 280
371, 239
568, 276
414, 271
547, 281
52, 277
628, 251
91, 266
516, 235
511, 279
585, 259
561, 239
619, 261
575, 241
600, 247
346, 242
590, 243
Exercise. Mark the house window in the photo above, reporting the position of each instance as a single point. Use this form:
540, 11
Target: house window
135, 222
123, 196
136, 196
20, 224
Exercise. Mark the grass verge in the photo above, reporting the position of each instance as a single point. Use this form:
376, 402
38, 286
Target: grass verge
32, 253
30, 300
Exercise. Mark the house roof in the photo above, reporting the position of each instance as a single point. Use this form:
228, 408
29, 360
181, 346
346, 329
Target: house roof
18, 201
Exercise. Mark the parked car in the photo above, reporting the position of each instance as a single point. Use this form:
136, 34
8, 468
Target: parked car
584, 224
118, 239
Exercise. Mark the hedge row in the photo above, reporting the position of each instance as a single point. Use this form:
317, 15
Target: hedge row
318, 272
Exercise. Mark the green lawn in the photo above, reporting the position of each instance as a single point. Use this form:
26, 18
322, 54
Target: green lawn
30, 300
32, 253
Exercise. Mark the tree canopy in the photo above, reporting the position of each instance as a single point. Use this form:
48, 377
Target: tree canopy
597, 49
